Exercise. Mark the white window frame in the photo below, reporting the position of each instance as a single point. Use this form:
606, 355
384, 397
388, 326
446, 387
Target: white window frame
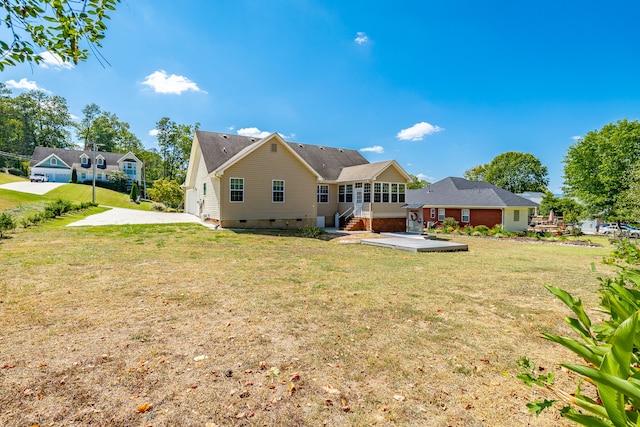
53, 161
100, 161
277, 191
366, 195
83, 176
441, 214
433, 213
465, 216
377, 192
323, 193
84, 160
237, 190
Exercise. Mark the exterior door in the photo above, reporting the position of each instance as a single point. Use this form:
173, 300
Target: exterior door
357, 206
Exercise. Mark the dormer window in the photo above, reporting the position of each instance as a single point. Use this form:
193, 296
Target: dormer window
100, 161
84, 160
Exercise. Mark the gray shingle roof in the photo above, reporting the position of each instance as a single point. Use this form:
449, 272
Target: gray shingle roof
328, 162
459, 192
72, 157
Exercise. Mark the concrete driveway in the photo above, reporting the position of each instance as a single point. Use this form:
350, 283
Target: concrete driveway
119, 216
38, 188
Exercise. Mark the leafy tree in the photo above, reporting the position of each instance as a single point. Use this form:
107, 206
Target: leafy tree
119, 180
566, 207
416, 183
107, 130
599, 169
476, 173
168, 192
45, 121
175, 140
513, 171
57, 26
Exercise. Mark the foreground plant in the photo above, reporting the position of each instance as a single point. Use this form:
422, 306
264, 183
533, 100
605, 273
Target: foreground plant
611, 351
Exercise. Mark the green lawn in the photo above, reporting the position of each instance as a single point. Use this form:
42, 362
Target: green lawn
6, 178
267, 328
83, 193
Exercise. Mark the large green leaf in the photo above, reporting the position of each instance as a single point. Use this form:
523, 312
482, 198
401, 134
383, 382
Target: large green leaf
623, 386
586, 352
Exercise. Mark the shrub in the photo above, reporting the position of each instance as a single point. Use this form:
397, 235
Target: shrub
449, 224
57, 208
612, 353
74, 176
6, 223
134, 192
482, 230
311, 231
16, 172
157, 206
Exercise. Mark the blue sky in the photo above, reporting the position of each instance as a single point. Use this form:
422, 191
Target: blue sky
440, 86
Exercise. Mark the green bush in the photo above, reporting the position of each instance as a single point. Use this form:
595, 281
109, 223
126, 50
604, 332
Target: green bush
482, 230
157, 206
134, 192
449, 224
611, 351
74, 176
7, 222
311, 231
57, 208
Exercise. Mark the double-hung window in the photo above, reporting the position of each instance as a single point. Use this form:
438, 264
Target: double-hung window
394, 193
277, 191
516, 216
349, 194
323, 193
401, 188
440, 214
84, 160
385, 192
236, 190
433, 213
366, 193
377, 192
466, 215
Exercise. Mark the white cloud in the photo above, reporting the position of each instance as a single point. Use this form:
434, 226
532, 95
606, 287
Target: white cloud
424, 177
361, 37
253, 132
161, 82
74, 117
375, 149
418, 131
23, 84
576, 137
51, 60
154, 132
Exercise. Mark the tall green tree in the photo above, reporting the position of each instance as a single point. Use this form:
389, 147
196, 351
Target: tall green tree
107, 130
598, 169
416, 183
174, 141
512, 171
45, 121
65, 28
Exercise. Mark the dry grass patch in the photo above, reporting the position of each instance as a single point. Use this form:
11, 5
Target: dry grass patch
182, 325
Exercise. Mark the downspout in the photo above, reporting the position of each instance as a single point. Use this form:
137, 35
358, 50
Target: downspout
371, 216
503, 218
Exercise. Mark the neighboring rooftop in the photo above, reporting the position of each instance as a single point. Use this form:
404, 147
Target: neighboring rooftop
71, 157
460, 192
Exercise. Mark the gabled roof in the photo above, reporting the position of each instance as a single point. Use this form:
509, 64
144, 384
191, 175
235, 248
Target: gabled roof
459, 192
369, 171
71, 157
219, 149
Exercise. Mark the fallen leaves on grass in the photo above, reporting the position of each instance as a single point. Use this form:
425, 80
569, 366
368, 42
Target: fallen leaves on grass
143, 408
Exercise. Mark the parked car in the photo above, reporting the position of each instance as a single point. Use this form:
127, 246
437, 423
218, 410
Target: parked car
625, 229
39, 177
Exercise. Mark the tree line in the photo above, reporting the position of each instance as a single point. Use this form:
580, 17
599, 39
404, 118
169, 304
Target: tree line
38, 119
601, 175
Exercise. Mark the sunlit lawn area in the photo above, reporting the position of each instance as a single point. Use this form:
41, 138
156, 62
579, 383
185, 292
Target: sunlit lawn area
234, 328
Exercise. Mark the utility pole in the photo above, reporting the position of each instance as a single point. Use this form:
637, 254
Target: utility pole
93, 164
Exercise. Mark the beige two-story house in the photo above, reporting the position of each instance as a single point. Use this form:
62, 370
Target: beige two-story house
243, 182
